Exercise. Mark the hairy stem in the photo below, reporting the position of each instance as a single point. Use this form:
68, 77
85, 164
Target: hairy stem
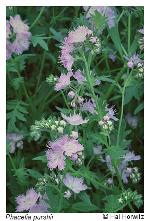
65, 100
122, 106
90, 84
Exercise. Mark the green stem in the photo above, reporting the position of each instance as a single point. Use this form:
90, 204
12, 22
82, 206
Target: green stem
38, 17
121, 116
24, 88
60, 199
65, 100
40, 72
129, 32
122, 13
124, 50
33, 108
90, 84
88, 164
122, 107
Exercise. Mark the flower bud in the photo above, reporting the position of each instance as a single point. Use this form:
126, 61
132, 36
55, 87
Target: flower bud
53, 127
60, 130
71, 94
62, 123
130, 64
57, 122
74, 134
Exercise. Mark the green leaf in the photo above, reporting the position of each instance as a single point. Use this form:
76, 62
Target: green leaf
18, 63
34, 173
100, 20
115, 36
135, 90
41, 158
16, 111
53, 198
107, 79
84, 207
56, 35
17, 82
139, 108
22, 176
115, 153
112, 204
85, 197
89, 176
39, 40
134, 45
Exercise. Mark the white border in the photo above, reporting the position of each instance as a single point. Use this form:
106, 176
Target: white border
73, 3
3, 5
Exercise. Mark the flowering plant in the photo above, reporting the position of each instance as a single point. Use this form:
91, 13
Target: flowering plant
75, 109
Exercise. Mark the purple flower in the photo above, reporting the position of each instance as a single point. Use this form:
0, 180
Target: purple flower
8, 30
59, 149
63, 81
97, 82
130, 156
132, 120
97, 150
133, 60
89, 106
9, 49
15, 141
111, 113
109, 164
66, 145
79, 77
71, 146
66, 58
19, 27
25, 202
41, 206
126, 174
18, 36
74, 157
112, 57
79, 35
55, 159
75, 119
124, 170
21, 43
74, 183
38, 208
